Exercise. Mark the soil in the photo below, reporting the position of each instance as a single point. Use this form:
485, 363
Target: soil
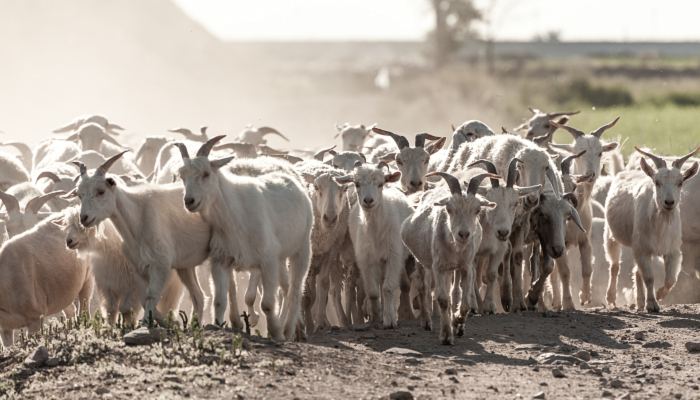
596, 353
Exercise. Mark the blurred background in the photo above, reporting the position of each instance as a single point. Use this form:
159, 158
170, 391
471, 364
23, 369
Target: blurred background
301, 66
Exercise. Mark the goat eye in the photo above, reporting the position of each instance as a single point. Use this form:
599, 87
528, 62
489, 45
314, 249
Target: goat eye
380, 185
100, 192
205, 175
658, 184
600, 154
399, 162
357, 185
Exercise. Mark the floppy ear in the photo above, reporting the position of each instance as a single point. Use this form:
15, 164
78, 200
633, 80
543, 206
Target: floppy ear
647, 168
524, 191
216, 164
442, 202
434, 146
690, 172
392, 177
610, 146
342, 180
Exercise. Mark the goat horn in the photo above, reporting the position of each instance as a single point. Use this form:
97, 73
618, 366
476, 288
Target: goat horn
504, 130
67, 128
322, 153
203, 132
573, 131
512, 172
10, 201
35, 204
475, 182
102, 169
401, 141
554, 182
267, 150
658, 161
48, 174
453, 127
421, 137
679, 162
208, 145
24, 150
183, 150
81, 167
566, 162
599, 132
533, 110
490, 167
266, 130
451, 180
561, 114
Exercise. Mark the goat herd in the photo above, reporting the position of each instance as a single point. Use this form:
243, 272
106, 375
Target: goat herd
370, 234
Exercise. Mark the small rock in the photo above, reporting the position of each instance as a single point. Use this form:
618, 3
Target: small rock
144, 336
538, 395
677, 395
403, 352
52, 362
607, 393
101, 391
454, 379
605, 369
413, 361
616, 384
657, 344
551, 358
692, 347
558, 373
583, 354
544, 384
640, 336
401, 395
451, 371
38, 358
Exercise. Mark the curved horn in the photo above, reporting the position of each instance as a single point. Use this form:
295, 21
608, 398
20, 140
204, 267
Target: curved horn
679, 162
512, 172
48, 174
533, 110
10, 201
554, 182
381, 164
599, 132
577, 219
183, 150
561, 114
322, 153
421, 137
566, 162
475, 182
490, 167
35, 204
504, 130
81, 167
24, 150
203, 133
102, 169
266, 130
453, 127
401, 141
208, 145
452, 182
267, 150
658, 161
573, 131
67, 128
186, 133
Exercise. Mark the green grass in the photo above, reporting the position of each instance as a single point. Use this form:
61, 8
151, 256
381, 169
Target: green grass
670, 129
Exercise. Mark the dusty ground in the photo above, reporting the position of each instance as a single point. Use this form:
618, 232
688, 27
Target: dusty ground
502, 356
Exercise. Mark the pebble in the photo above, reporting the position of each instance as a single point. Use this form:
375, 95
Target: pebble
538, 395
144, 336
401, 395
607, 393
616, 384
583, 355
657, 344
451, 371
692, 347
558, 373
403, 352
38, 358
640, 336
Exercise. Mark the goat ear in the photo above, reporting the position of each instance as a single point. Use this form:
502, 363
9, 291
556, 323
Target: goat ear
610, 146
435, 146
111, 182
488, 204
392, 177
646, 168
216, 164
442, 202
563, 121
342, 180
690, 172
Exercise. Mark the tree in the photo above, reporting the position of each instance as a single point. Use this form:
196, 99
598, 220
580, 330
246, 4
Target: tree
454, 20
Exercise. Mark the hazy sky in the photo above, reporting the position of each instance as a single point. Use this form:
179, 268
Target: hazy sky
410, 19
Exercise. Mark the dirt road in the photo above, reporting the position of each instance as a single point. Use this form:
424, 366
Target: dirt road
591, 354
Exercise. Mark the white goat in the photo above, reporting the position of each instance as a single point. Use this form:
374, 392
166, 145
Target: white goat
87, 119
257, 223
539, 128
159, 235
11, 171
256, 136
117, 280
353, 137
39, 277
18, 221
444, 234
375, 230
643, 214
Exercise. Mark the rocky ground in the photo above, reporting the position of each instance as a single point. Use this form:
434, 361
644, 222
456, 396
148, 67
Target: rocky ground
592, 354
